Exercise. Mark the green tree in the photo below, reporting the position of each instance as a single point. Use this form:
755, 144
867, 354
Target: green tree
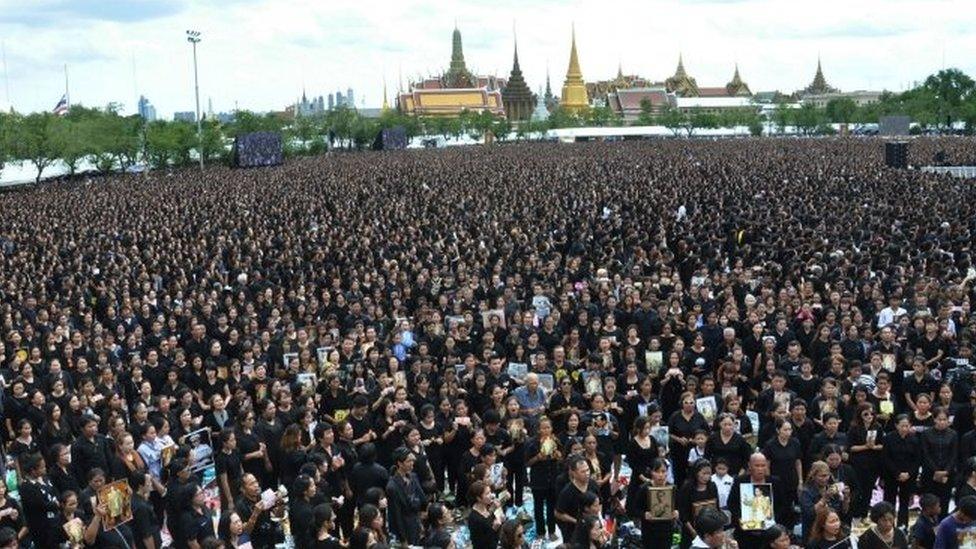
72, 138
601, 116
212, 144
562, 118
950, 88
807, 118
701, 120
6, 121
673, 119
783, 117
840, 110
33, 138
159, 144
646, 116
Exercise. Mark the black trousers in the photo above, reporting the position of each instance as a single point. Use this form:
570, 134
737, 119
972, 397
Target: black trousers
903, 492
867, 477
939, 490
515, 483
544, 508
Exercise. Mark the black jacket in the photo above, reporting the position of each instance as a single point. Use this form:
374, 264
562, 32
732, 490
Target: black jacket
901, 455
406, 499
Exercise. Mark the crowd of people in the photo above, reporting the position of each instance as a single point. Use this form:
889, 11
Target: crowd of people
724, 343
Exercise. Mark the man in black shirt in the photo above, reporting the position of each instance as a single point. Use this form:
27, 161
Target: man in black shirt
91, 450
257, 521
40, 501
196, 524
406, 499
145, 527
569, 505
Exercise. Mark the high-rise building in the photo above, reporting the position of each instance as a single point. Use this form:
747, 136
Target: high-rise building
340, 100
146, 109
331, 101
185, 116
350, 99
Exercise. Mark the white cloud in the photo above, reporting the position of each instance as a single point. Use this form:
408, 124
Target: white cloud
259, 52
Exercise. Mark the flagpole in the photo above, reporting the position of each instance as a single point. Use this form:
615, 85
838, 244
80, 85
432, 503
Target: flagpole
67, 94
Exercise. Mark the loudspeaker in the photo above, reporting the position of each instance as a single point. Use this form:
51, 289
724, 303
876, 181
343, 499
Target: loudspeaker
896, 154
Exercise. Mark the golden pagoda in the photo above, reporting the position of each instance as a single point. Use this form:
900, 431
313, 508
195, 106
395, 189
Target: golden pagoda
681, 83
574, 97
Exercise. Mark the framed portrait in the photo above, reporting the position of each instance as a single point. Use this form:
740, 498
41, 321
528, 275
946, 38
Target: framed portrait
117, 499
201, 449
697, 506
654, 360
707, 408
661, 435
288, 357
518, 370
756, 506
547, 382
307, 382
592, 382
322, 354
660, 502
487, 315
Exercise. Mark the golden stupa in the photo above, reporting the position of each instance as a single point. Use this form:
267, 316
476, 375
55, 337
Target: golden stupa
574, 97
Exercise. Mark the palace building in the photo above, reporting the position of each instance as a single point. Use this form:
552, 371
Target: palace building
454, 92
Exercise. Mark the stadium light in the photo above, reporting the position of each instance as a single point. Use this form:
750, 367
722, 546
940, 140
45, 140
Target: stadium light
193, 37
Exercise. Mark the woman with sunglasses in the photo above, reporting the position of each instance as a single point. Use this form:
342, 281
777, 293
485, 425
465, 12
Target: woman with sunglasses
866, 450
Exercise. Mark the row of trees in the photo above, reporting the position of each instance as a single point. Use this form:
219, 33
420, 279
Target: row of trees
108, 141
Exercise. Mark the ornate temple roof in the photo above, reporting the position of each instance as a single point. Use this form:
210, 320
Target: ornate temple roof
458, 75
737, 87
819, 84
517, 96
681, 83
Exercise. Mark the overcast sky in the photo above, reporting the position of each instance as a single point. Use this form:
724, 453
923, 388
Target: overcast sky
257, 54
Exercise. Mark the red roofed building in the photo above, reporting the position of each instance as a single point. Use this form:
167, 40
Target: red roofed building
627, 102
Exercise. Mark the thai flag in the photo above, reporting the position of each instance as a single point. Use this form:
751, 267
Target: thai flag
61, 108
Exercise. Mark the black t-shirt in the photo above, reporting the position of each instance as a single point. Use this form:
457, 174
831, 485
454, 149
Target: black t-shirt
570, 500
144, 524
483, 535
194, 526
228, 463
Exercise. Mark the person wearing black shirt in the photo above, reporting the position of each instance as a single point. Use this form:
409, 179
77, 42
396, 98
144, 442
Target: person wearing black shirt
758, 473
257, 519
145, 527
829, 436
569, 506
406, 499
322, 526
940, 446
300, 510
883, 534
40, 501
697, 493
482, 522
196, 524
785, 462
543, 455
91, 450
728, 444
366, 473
902, 457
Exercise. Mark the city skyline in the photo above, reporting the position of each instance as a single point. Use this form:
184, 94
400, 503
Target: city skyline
260, 54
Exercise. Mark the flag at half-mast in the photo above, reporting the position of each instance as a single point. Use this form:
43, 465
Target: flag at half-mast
61, 108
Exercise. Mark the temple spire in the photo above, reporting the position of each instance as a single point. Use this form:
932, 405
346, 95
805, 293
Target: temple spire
386, 103
574, 71
457, 74
517, 97
574, 96
680, 72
